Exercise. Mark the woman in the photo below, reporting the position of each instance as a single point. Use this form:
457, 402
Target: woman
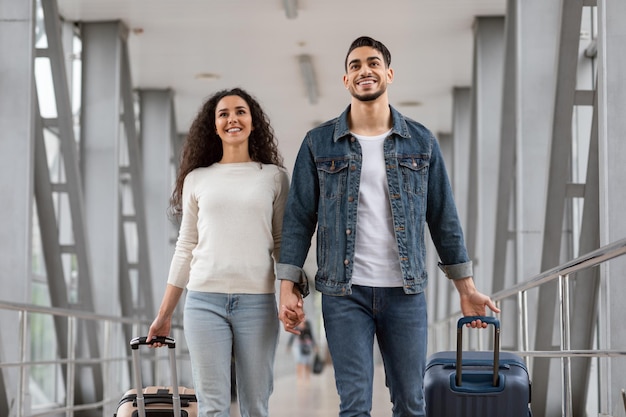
230, 194
304, 350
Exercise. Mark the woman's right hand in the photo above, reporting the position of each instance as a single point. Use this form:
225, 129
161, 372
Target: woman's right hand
163, 322
159, 327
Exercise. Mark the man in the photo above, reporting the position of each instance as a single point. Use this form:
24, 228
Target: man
370, 181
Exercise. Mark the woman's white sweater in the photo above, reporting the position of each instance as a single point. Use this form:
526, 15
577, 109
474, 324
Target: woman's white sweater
230, 230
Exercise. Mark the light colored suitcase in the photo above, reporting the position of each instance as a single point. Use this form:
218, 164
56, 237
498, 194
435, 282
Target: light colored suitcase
155, 401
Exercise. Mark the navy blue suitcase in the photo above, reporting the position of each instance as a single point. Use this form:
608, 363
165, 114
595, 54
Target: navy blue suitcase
487, 384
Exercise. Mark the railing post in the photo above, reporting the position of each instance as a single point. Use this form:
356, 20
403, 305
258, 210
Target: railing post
523, 342
566, 362
106, 366
520, 321
23, 374
71, 365
604, 342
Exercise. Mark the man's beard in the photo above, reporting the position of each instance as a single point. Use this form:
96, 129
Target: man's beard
368, 97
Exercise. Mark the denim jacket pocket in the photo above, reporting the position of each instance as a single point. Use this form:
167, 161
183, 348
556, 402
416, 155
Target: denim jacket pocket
414, 170
333, 177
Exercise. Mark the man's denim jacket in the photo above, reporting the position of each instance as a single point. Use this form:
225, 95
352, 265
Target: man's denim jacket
325, 193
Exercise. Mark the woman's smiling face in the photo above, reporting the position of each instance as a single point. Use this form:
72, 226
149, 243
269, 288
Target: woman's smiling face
233, 120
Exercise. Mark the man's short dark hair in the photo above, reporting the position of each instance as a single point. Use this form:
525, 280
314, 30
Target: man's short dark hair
372, 43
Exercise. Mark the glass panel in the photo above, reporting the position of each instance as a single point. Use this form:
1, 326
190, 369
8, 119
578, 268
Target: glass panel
37, 260
45, 88
76, 83
41, 41
45, 380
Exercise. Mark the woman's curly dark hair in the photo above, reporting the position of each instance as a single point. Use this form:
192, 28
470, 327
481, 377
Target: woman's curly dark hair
203, 146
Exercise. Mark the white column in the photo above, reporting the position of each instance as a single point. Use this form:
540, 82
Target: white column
100, 145
16, 176
158, 135
484, 145
612, 147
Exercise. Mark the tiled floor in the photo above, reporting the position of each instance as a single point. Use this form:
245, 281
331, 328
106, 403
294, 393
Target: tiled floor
317, 397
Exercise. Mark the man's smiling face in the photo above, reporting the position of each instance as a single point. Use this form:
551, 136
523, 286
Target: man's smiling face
366, 75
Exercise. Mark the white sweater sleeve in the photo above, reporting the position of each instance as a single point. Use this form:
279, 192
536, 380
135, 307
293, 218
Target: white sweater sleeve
282, 185
187, 236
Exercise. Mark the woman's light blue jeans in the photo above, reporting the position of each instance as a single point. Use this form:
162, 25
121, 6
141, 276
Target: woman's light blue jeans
399, 322
220, 325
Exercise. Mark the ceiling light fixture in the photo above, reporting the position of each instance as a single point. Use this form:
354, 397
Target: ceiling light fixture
409, 103
207, 76
308, 74
291, 8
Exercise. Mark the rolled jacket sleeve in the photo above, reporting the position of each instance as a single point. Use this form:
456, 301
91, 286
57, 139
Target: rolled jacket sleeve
296, 275
458, 271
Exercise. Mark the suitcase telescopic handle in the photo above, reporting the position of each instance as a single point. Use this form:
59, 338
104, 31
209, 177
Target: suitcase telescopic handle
143, 340
171, 344
459, 345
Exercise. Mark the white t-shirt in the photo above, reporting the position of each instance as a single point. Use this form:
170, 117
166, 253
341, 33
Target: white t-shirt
230, 230
376, 259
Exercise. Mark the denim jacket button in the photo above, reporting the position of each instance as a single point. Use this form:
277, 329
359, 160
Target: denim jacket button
346, 261
350, 199
348, 231
352, 168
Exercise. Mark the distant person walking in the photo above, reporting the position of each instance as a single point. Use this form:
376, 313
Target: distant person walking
304, 349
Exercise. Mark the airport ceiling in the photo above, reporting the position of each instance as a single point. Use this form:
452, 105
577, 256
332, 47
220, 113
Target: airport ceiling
196, 47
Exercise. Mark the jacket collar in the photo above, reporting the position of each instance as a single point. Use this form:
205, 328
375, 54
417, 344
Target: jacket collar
399, 126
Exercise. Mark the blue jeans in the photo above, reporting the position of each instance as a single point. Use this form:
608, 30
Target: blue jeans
399, 322
218, 325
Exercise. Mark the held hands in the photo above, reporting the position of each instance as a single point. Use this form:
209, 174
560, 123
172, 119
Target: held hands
291, 311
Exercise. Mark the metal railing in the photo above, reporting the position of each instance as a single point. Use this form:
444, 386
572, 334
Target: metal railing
115, 358
562, 274
115, 352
